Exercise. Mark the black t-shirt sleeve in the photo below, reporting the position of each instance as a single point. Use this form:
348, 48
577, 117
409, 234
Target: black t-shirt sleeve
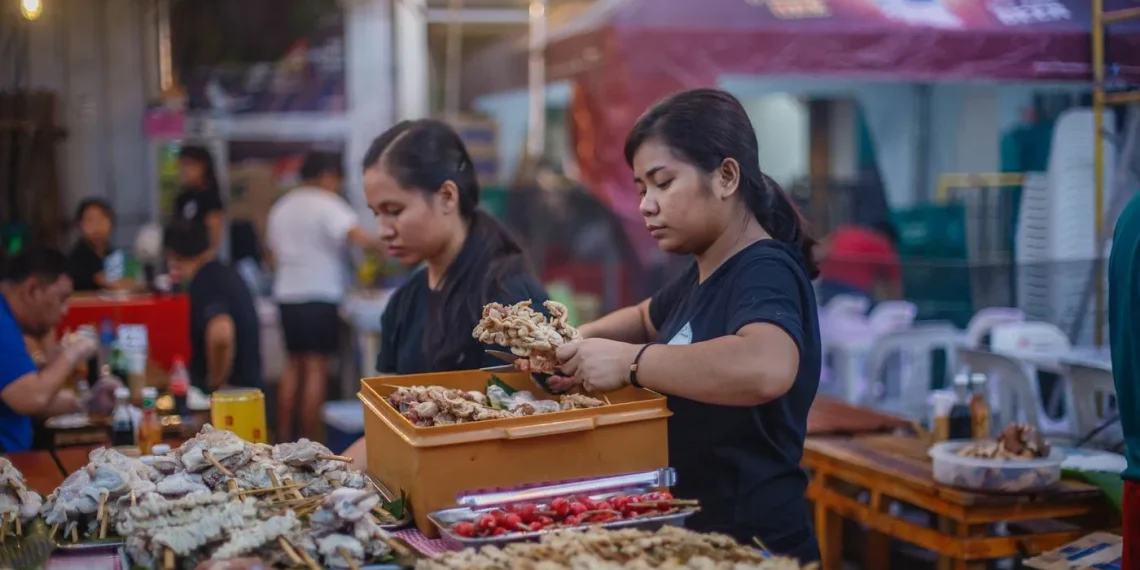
667, 298
765, 290
83, 264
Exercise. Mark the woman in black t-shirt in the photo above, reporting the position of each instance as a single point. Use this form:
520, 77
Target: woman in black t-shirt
85, 262
200, 199
734, 341
420, 182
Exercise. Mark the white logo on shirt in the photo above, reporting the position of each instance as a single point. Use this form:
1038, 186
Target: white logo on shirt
684, 336
190, 210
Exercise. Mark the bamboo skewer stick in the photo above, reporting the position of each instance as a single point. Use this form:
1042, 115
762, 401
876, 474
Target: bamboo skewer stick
19, 525
168, 559
134, 499
288, 549
4, 528
347, 556
277, 485
278, 490
54, 529
74, 532
312, 564
340, 458
102, 514
222, 468
297, 492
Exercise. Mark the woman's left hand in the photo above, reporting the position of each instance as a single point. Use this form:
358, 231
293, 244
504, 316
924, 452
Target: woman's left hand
602, 365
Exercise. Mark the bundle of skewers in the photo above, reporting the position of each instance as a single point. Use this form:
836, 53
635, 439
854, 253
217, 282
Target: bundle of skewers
219, 497
18, 504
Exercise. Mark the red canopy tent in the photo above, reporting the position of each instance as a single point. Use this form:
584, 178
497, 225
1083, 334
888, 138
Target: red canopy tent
625, 54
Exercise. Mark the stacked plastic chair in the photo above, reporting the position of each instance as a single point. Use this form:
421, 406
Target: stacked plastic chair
1056, 235
848, 337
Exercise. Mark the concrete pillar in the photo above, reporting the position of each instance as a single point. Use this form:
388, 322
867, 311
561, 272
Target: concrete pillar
370, 91
413, 61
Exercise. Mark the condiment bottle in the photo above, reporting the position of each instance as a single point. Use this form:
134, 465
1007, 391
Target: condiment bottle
150, 429
961, 425
979, 408
122, 424
943, 402
180, 386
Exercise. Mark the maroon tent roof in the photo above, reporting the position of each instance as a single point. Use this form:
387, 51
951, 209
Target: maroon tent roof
626, 54
877, 39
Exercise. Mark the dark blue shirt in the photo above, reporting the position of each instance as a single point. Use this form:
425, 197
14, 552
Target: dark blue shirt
404, 323
15, 363
743, 463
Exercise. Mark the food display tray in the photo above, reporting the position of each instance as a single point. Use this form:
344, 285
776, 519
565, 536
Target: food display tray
89, 546
597, 489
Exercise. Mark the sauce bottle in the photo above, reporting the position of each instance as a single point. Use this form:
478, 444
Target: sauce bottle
961, 425
150, 429
122, 424
979, 408
180, 386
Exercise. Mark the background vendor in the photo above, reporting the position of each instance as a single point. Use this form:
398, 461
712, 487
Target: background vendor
34, 288
96, 223
420, 182
734, 341
225, 333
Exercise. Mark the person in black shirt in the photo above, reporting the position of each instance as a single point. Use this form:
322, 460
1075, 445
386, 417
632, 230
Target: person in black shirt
225, 331
420, 182
733, 342
85, 262
200, 199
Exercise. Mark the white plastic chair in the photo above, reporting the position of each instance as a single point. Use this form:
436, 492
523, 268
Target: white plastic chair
1012, 394
1041, 347
1092, 393
891, 316
983, 322
902, 385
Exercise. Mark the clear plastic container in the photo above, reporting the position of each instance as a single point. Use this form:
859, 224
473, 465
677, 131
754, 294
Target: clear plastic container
994, 475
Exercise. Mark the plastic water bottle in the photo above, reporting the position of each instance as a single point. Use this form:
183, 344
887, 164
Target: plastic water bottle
180, 386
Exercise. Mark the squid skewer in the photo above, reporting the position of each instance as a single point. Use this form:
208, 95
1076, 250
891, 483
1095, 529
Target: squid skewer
222, 468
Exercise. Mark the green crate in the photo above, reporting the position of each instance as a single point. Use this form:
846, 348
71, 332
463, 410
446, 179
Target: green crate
932, 248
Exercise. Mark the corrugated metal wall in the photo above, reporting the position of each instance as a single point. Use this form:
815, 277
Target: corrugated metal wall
98, 56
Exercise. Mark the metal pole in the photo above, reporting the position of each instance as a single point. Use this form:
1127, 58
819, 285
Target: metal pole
454, 60
165, 53
1098, 157
536, 131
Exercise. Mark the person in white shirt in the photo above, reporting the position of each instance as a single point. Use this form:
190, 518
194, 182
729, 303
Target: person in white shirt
308, 233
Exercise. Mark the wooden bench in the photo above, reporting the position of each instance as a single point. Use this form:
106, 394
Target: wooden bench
859, 478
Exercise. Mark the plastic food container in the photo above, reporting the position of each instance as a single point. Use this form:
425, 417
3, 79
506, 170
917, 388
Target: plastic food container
994, 475
433, 465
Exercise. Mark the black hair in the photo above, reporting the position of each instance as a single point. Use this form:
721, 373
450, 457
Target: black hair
887, 230
704, 127
424, 155
45, 264
321, 162
201, 155
186, 238
89, 203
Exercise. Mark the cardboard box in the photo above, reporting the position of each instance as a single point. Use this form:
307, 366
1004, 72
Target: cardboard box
1097, 551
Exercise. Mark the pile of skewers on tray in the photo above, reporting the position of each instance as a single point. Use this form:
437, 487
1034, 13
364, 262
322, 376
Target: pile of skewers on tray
219, 497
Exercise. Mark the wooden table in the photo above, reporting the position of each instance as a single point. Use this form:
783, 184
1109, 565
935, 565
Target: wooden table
889, 469
832, 416
41, 472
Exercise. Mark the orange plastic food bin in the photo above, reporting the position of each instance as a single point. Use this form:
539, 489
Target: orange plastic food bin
434, 464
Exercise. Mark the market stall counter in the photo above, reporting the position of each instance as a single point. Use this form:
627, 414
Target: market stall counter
891, 468
41, 471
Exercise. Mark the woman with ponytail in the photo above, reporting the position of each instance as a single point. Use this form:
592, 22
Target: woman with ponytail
734, 341
421, 184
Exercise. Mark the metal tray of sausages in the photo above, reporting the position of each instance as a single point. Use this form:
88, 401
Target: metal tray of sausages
596, 489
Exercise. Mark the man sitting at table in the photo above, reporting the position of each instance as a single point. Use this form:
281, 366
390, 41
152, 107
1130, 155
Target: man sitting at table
225, 331
33, 298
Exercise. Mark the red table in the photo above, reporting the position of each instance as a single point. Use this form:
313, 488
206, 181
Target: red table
41, 473
167, 319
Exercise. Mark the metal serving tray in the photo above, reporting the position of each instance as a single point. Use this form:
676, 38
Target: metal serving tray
596, 489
